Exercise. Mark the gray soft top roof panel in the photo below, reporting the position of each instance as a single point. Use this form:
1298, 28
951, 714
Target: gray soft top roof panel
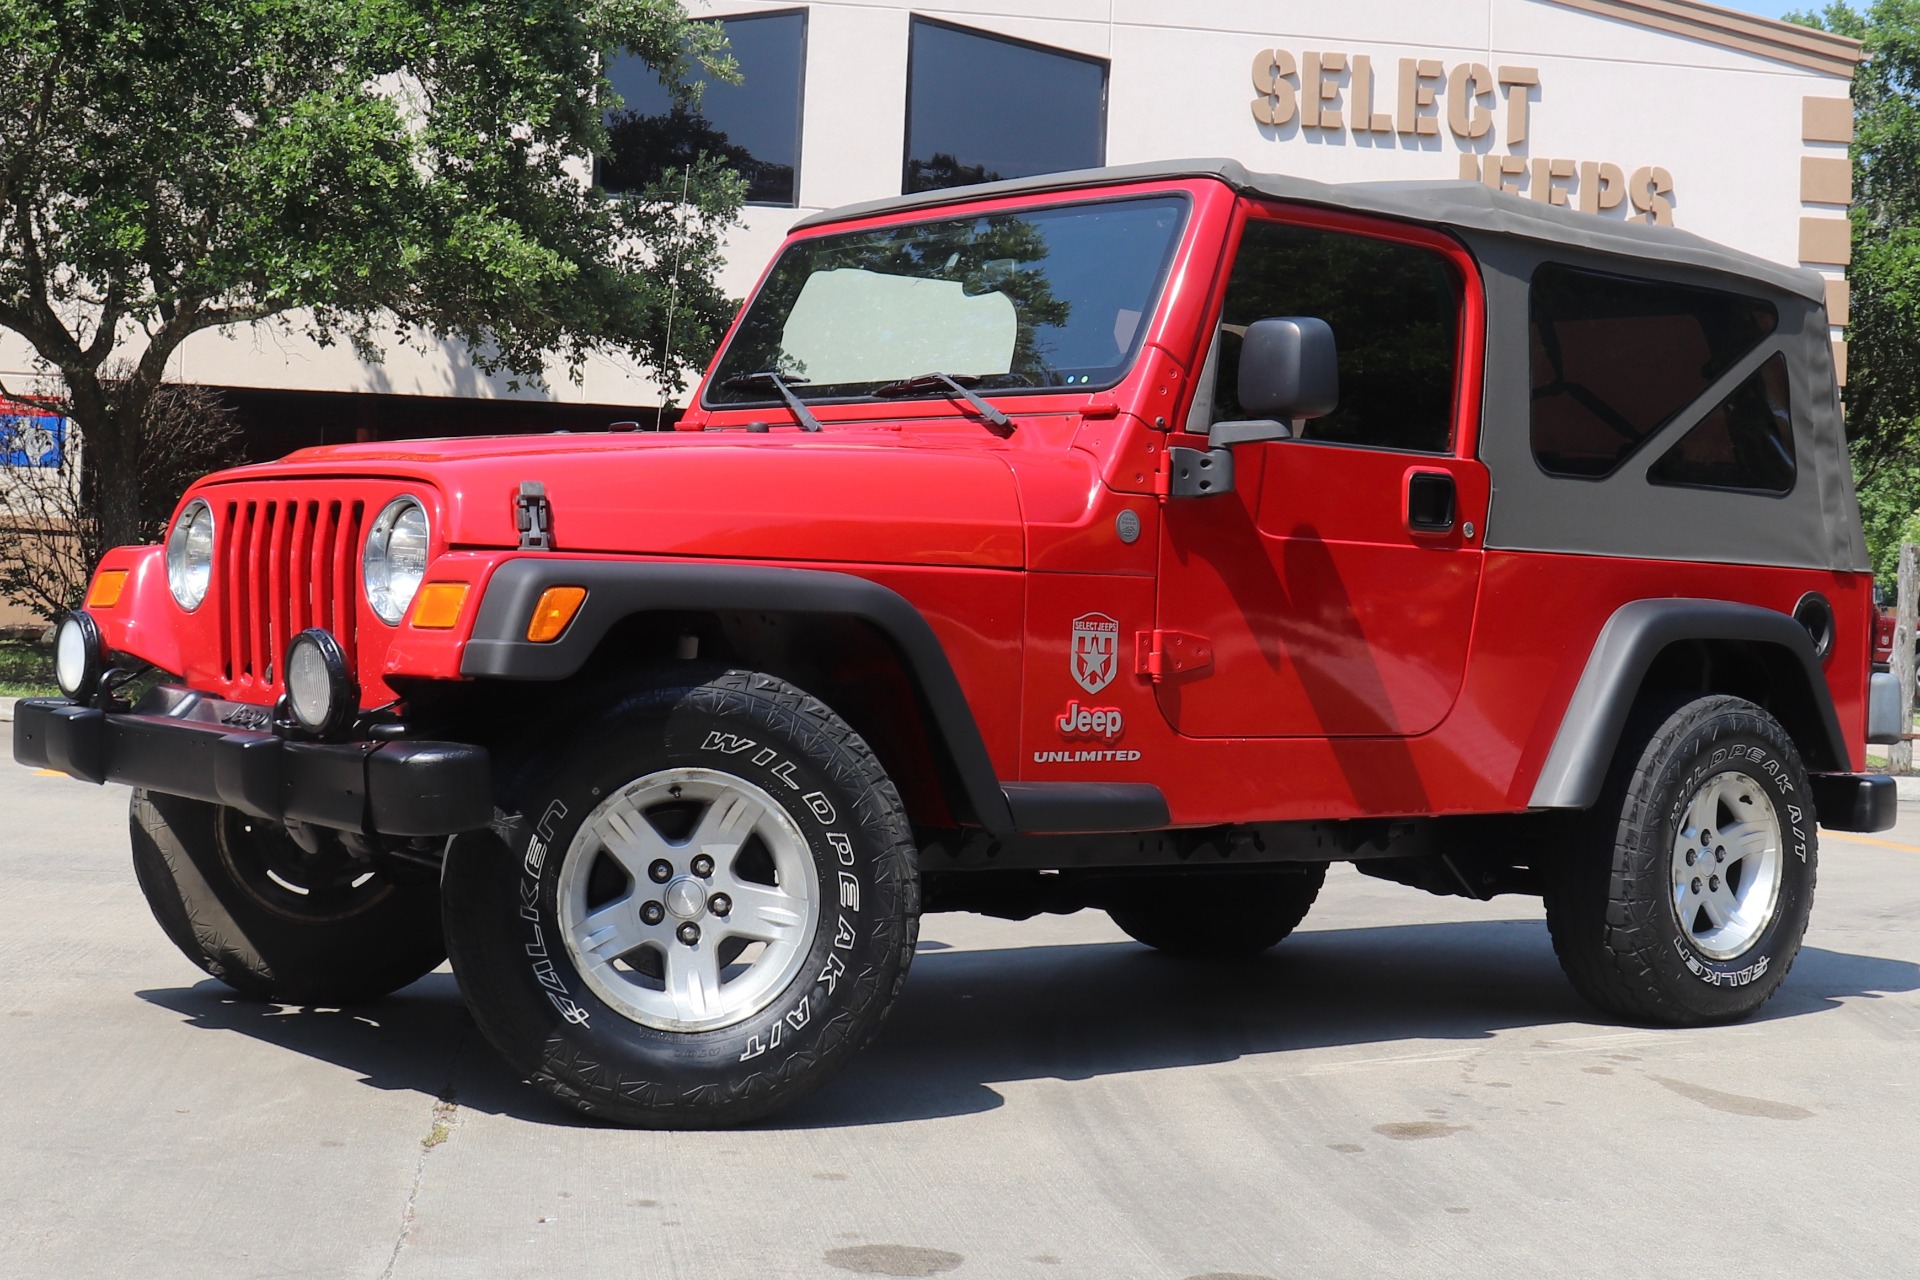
1468, 206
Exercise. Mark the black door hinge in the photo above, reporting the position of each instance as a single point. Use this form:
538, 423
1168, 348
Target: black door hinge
533, 517
1194, 473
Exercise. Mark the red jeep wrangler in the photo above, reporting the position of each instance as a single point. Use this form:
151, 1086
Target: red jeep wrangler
1142, 539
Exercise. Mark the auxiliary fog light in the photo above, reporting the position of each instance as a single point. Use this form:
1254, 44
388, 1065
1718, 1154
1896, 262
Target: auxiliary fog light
79, 656
321, 692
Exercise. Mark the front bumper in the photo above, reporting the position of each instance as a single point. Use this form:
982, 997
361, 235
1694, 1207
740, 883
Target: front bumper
186, 744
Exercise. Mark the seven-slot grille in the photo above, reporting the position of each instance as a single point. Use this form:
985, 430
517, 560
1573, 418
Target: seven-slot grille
283, 566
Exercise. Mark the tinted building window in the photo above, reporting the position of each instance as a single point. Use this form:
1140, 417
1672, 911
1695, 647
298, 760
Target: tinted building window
1615, 359
1395, 314
1745, 443
982, 107
754, 124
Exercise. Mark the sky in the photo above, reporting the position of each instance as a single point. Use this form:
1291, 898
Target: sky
1772, 8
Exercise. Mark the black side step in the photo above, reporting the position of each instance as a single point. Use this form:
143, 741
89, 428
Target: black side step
1060, 808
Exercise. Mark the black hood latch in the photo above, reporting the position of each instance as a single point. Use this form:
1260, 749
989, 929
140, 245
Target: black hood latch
533, 517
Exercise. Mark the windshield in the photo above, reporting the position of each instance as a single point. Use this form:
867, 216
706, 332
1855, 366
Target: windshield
1040, 298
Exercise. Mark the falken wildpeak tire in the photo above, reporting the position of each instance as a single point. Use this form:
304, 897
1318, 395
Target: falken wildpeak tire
342, 937
1686, 890
702, 785
1219, 917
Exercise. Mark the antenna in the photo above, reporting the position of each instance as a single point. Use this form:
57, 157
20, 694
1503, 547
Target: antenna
673, 296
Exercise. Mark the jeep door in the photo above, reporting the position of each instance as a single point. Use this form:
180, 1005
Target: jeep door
1336, 583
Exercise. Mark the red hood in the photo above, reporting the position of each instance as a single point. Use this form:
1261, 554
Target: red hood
877, 497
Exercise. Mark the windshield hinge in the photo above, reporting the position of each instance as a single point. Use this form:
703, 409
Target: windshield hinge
1163, 654
533, 517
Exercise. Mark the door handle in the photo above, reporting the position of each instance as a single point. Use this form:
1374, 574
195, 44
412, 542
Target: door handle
1431, 501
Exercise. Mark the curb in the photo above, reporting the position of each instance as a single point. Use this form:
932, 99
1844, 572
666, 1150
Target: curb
6, 709
1907, 787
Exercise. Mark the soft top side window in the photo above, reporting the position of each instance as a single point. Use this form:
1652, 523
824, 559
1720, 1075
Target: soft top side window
1395, 313
1745, 443
1615, 358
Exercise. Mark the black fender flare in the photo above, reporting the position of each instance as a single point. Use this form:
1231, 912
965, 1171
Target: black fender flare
1627, 647
1633, 637
617, 590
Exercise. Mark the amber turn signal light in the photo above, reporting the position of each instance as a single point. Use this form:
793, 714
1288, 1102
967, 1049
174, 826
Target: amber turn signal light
106, 588
438, 605
554, 611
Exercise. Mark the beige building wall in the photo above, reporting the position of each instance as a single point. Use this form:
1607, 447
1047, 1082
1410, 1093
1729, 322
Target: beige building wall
1731, 126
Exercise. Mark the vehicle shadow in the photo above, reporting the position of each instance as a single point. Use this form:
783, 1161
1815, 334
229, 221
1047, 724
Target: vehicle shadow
968, 1020
420, 1039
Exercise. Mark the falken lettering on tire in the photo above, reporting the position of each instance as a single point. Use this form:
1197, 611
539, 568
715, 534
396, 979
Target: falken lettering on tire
577, 992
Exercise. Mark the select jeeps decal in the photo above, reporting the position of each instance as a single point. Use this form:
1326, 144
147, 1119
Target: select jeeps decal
1095, 658
1094, 661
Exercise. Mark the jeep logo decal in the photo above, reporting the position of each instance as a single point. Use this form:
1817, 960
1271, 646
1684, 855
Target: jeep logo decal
1096, 651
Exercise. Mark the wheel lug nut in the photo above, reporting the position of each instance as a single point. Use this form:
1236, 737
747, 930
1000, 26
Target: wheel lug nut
1713, 883
703, 866
1696, 884
1720, 853
652, 912
661, 871
1691, 855
720, 904
688, 933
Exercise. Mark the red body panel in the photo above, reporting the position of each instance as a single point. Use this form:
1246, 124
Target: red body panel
1326, 615
1319, 658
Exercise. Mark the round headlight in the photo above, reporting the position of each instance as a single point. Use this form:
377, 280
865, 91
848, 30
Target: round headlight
190, 555
396, 558
79, 656
320, 689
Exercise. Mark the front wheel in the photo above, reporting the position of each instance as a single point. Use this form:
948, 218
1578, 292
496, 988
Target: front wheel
275, 920
706, 905
1688, 887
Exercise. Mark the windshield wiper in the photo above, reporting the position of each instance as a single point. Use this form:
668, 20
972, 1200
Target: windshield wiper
999, 421
750, 381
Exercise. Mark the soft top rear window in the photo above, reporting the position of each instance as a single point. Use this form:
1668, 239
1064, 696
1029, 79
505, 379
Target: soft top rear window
1033, 298
1616, 358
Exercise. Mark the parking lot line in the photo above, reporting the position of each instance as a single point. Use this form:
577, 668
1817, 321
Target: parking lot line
1884, 844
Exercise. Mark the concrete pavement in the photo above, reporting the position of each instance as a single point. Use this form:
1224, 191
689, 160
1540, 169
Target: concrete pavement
1407, 1086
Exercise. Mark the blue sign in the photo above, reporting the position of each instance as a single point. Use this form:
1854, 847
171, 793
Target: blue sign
31, 439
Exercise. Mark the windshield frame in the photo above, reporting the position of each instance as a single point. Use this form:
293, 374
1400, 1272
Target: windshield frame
962, 209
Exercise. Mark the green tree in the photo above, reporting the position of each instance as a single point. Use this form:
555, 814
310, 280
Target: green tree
1883, 332
362, 170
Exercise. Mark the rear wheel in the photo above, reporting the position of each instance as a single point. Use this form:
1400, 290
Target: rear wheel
1686, 892
273, 920
1220, 917
707, 907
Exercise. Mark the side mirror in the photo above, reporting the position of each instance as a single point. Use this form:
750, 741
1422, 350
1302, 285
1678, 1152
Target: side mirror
1289, 372
1289, 369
